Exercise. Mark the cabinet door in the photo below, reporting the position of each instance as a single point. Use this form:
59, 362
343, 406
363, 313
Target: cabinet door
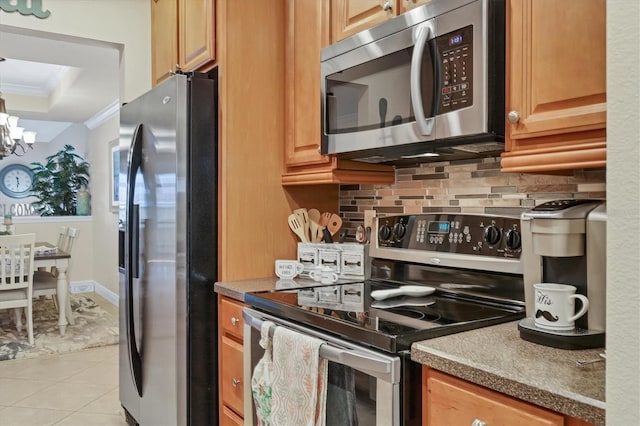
350, 16
410, 4
164, 39
229, 418
556, 84
196, 34
451, 401
231, 375
307, 32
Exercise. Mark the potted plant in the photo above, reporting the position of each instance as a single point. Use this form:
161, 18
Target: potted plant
56, 183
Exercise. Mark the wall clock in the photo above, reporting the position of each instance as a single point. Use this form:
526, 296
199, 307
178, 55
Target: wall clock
16, 180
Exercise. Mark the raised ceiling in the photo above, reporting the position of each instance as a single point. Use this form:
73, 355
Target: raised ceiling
51, 81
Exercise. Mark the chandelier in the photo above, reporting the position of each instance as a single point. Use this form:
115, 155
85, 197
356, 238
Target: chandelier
13, 139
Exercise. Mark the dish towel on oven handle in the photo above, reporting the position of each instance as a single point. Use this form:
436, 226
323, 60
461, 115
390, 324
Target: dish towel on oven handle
262, 378
300, 380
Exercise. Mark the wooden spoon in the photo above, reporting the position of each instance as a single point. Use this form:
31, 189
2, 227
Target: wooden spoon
297, 227
334, 224
303, 218
314, 218
322, 223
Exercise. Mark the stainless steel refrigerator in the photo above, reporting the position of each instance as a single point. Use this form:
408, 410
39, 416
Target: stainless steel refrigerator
167, 188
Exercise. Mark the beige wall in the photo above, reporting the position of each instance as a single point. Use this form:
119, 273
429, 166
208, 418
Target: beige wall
105, 236
127, 25
623, 212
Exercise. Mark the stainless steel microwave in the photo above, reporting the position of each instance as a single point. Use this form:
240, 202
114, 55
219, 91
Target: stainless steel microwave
428, 85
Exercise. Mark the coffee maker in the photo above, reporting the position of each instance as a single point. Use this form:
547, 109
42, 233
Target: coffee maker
565, 242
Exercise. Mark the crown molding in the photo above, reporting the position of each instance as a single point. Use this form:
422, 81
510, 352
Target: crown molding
103, 115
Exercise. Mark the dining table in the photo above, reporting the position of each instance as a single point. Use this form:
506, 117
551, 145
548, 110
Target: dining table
47, 255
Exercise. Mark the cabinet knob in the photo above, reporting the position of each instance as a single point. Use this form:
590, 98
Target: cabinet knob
478, 422
234, 321
236, 382
386, 6
513, 117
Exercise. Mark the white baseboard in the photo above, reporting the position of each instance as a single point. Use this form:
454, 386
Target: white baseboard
92, 286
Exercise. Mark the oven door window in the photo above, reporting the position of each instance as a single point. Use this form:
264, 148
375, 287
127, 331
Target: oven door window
351, 396
377, 93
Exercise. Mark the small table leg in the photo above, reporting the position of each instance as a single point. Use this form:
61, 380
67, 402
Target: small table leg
62, 290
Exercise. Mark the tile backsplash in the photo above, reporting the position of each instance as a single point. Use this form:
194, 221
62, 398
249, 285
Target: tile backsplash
470, 186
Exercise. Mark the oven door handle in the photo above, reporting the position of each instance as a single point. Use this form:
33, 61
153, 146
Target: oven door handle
368, 362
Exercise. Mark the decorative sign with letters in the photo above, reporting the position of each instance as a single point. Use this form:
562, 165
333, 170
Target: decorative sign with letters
25, 7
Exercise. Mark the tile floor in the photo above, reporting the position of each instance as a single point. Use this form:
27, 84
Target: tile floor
77, 388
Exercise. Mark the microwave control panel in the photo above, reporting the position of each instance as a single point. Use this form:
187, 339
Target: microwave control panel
456, 60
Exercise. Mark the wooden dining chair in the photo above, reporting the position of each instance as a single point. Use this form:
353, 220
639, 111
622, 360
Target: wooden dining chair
16, 277
63, 235
45, 283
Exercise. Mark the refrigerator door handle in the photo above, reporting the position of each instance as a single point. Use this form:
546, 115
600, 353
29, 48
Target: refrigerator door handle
135, 358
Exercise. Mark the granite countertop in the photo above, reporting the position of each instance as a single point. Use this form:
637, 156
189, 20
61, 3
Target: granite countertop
237, 289
497, 358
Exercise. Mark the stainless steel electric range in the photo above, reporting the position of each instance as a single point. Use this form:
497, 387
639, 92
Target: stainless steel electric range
431, 275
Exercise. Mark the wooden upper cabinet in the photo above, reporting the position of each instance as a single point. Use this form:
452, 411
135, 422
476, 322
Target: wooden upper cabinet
164, 40
197, 34
307, 32
182, 34
406, 5
350, 16
556, 85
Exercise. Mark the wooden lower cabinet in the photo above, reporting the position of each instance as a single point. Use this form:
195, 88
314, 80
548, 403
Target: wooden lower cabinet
229, 418
448, 400
230, 357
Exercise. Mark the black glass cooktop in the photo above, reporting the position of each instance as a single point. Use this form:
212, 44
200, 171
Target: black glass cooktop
349, 311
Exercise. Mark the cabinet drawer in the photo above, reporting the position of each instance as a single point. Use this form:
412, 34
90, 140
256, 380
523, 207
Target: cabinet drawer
231, 317
231, 374
454, 401
229, 418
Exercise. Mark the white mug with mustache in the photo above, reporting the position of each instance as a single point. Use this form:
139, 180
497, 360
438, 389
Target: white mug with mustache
555, 306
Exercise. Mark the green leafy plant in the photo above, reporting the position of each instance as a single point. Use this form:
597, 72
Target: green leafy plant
56, 183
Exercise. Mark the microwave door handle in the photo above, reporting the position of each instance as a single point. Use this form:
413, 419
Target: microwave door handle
425, 125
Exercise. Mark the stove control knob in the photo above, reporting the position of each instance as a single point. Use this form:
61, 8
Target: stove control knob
384, 233
491, 235
513, 239
399, 230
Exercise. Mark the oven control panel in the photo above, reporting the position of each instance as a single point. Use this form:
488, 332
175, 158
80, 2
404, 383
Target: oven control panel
482, 235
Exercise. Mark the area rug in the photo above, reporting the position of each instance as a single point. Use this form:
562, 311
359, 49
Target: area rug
94, 327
